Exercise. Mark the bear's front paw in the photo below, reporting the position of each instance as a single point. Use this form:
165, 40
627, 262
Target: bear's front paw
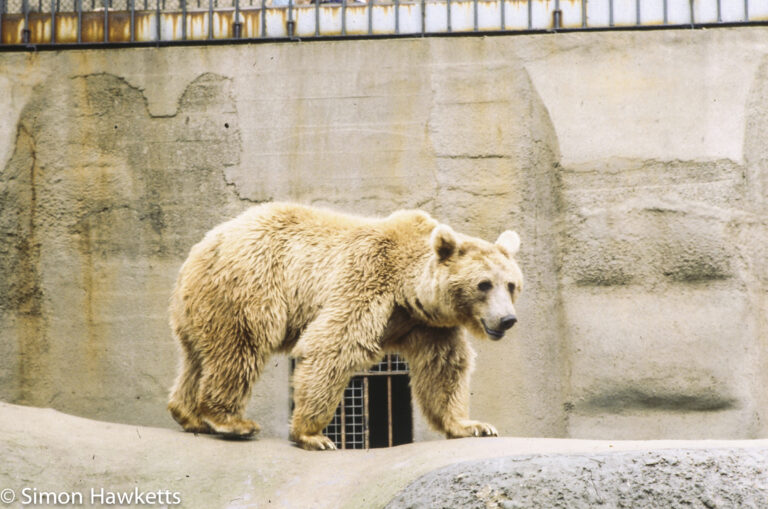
314, 442
468, 428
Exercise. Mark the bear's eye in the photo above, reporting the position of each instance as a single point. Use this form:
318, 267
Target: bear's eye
511, 287
484, 286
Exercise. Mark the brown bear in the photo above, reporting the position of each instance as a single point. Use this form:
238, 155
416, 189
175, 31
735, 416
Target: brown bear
336, 292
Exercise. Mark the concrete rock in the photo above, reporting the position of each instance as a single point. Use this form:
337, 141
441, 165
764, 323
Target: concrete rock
670, 478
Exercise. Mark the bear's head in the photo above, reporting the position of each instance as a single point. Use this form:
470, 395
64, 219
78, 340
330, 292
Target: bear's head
474, 283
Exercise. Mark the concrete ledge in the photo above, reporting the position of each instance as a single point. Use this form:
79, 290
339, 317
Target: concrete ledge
48, 451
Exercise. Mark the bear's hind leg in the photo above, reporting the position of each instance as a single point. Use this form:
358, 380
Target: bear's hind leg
182, 402
225, 388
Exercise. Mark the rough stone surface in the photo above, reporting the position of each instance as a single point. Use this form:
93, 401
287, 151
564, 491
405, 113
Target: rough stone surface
53, 452
633, 164
672, 478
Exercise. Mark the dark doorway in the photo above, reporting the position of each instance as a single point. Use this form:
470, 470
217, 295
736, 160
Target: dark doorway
389, 411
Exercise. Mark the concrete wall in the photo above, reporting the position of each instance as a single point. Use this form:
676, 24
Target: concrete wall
630, 162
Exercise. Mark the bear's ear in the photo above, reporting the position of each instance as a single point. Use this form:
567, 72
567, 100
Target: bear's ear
443, 241
509, 241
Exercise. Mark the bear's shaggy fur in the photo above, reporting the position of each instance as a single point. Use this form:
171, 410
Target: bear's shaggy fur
337, 292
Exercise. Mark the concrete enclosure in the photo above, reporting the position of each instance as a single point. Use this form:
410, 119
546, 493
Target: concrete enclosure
631, 163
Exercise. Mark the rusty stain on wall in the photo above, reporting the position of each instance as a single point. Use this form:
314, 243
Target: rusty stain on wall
21, 288
355, 18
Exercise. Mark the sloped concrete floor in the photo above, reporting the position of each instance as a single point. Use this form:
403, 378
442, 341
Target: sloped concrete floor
47, 451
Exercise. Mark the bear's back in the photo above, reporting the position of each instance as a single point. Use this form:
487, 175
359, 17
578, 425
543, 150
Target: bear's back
296, 248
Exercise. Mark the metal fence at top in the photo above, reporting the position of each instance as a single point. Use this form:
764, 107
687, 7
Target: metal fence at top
66, 22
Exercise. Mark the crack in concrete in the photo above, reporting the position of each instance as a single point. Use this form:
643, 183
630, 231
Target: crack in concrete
236, 190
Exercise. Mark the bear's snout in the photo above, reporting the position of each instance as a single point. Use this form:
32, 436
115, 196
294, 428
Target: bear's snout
497, 331
507, 322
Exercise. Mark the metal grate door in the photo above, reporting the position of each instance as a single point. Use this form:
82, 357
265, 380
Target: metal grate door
376, 408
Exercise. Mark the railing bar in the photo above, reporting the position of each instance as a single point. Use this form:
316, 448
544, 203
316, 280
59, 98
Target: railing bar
183, 20
343, 16
557, 16
132, 27
291, 28
263, 18
530, 15
693, 18
637, 12
397, 16
79, 21
53, 22
236, 23
666, 13
370, 17
389, 406
610, 13
474, 15
343, 420
448, 19
503, 7
719, 12
106, 20
210, 19
317, 18
2, 13
423, 17
583, 13
746, 10
366, 431
25, 37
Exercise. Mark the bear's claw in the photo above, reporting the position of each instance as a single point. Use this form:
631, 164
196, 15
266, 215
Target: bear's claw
472, 429
315, 442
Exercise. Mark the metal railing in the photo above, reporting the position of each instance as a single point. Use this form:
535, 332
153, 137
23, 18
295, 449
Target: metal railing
66, 22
